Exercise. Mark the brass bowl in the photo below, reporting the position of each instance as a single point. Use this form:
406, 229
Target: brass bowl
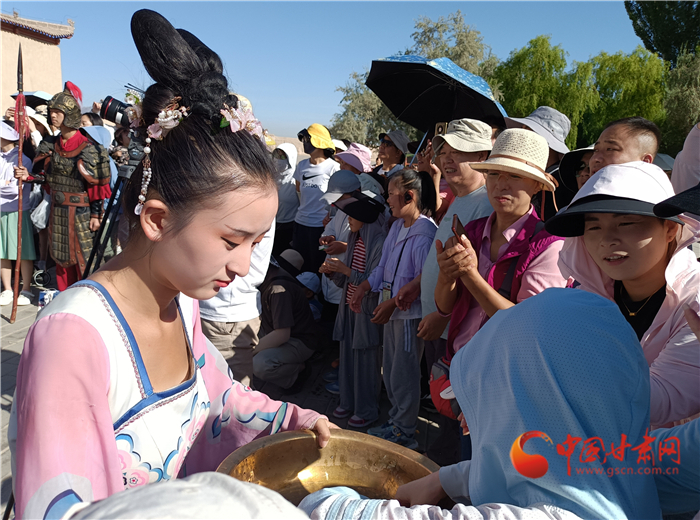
292, 464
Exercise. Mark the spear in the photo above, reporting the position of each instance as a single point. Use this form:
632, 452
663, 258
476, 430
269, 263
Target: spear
23, 131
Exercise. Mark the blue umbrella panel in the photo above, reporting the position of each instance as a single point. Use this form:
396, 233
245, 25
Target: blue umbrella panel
422, 92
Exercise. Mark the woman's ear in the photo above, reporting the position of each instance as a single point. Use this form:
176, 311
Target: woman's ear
154, 217
671, 229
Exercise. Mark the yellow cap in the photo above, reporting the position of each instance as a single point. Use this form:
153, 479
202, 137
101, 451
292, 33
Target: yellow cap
320, 137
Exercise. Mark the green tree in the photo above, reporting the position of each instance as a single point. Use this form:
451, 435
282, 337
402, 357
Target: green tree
682, 101
628, 85
537, 75
450, 37
666, 27
364, 116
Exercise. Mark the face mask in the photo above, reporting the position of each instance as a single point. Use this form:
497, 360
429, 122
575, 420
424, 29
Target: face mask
281, 165
308, 148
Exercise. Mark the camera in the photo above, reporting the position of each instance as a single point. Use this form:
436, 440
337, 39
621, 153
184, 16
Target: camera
115, 111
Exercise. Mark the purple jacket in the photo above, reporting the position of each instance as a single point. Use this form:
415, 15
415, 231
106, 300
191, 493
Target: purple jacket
412, 257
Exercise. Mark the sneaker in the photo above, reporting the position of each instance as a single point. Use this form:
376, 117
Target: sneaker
25, 298
333, 388
381, 431
341, 413
331, 376
359, 422
397, 436
6, 297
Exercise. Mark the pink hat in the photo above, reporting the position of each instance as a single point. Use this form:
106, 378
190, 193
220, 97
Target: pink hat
357, 156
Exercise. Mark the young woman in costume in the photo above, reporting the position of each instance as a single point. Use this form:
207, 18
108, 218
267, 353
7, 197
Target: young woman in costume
117, 386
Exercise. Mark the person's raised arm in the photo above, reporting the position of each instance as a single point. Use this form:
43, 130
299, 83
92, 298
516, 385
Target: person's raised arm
452, 262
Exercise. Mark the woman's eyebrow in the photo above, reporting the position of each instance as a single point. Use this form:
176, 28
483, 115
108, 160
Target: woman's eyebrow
245, 233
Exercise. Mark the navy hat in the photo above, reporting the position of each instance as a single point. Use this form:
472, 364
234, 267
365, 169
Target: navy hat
687, 201
361, 206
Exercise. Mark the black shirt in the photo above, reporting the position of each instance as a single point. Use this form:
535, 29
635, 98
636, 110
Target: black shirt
284, 304
643, 312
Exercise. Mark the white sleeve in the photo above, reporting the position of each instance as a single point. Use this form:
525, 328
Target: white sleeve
353, 509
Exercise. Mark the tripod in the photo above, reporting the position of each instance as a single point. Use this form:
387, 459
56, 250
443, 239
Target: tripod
136, 154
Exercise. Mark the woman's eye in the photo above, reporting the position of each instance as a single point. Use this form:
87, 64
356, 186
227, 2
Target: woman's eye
592, 228
229, 245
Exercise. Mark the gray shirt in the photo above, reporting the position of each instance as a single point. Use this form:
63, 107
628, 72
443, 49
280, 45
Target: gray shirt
470, 207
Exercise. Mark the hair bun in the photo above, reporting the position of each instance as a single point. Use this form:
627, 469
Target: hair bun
179, 61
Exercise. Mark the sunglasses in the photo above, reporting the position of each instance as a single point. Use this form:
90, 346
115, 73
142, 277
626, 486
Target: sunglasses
579, 170
304, 136
386, 142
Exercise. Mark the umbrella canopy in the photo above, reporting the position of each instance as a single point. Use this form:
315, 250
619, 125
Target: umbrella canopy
35, 99
422, 92
663, 161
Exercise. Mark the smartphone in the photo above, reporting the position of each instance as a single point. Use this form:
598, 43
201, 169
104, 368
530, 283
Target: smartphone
440, 128
457, 227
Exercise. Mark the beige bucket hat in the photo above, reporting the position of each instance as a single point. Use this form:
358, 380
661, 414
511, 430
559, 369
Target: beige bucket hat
522, 152
465, 135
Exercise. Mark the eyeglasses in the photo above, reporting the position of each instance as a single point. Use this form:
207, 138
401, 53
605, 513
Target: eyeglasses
386, 142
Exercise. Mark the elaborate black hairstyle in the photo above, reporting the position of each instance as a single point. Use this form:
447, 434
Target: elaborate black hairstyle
197, 160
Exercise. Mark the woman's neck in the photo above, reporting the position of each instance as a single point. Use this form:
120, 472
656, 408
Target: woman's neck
646, 285
8, 146
317, 157
411, 219
504, 220
388, 165
131, 275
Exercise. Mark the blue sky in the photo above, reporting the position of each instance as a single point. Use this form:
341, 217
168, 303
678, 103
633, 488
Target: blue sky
288, 58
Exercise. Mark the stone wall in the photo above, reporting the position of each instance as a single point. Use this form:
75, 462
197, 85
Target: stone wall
41, 65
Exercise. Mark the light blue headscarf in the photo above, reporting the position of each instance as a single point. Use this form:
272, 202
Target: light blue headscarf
562, 362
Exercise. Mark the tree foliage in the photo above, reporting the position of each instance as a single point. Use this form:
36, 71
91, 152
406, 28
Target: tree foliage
537, 75
666, 28
682, 101
627, 85
364, 116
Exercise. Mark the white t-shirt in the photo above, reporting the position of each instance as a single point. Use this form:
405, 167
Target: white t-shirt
313, 182
340, 229
240, 301
470, 207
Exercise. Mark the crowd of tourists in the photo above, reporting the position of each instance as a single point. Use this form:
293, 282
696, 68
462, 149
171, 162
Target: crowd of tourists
486, 271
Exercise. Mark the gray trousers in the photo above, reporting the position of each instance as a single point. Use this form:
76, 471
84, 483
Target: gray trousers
281, 365
402, 354
360, 377
236, 341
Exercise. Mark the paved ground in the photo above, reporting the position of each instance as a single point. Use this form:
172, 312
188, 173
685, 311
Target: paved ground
312, 395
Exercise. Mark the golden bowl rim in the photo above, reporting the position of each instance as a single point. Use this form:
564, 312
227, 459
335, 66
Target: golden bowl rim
245, 451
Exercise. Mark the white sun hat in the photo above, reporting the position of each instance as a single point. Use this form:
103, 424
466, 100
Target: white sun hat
522, 152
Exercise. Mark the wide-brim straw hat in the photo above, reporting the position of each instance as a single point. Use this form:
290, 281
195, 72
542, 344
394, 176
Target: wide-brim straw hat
521, 152
37, 117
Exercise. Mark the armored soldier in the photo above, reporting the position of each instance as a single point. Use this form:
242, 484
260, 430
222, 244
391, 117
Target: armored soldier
76, 174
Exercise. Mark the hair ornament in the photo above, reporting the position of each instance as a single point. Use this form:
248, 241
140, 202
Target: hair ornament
241, 118
167, 119
135, 111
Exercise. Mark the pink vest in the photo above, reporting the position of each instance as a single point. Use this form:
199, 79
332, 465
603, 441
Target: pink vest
527, 245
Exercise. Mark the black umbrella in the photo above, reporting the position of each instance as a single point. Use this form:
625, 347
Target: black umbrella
421, 92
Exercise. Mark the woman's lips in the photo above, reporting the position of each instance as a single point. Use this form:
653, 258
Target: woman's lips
615, 259
222, 283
